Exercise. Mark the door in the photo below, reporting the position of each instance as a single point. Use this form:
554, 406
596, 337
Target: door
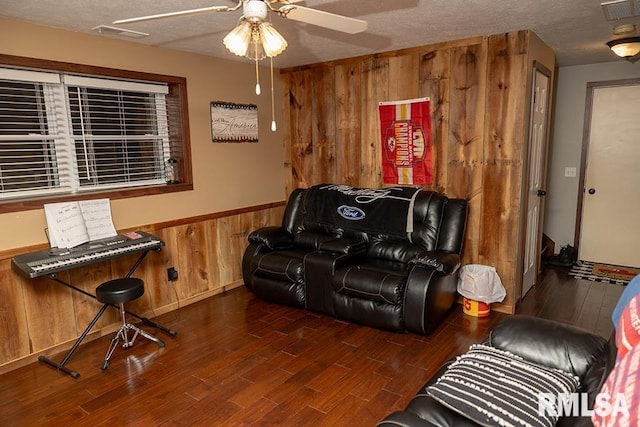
609, 226
535, 179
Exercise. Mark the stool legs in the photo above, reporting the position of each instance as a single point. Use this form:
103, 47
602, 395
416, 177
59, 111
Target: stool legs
122, 334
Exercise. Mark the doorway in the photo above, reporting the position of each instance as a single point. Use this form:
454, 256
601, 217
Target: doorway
607, 228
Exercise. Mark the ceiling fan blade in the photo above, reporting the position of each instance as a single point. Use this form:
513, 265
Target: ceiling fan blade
323, 19
171, 14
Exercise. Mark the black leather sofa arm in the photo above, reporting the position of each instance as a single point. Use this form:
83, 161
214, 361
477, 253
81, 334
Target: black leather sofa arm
272, 237
344, 245
424, 411
429, 294
549, 343
444, 262
404, 419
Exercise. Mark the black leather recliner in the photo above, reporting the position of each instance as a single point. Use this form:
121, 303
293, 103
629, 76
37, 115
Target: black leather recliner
540, 341
386, 258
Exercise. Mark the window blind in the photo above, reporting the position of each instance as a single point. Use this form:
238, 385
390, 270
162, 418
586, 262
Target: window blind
119, 136
32, 127
67, 133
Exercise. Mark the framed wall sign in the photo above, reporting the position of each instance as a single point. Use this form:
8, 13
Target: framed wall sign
232, 122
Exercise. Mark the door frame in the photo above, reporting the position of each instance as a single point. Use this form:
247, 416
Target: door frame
586, 132
537, 67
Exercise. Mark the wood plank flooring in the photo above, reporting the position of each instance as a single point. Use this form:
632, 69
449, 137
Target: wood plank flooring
240, 361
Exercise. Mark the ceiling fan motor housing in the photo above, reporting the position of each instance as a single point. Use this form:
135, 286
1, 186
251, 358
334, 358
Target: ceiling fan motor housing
254, 11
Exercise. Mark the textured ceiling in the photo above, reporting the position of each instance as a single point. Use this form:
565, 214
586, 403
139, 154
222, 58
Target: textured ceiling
576, 30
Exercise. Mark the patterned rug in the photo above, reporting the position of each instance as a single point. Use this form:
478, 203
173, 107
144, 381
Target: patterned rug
605, 273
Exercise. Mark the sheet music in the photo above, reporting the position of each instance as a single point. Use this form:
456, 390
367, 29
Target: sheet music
73, 223
66, 224
97, 218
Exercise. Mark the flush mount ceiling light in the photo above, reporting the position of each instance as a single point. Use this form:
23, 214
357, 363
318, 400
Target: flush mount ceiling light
255, 38
624, 30
627, 48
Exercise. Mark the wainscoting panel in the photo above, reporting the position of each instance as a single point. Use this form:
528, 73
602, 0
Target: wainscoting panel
39, 316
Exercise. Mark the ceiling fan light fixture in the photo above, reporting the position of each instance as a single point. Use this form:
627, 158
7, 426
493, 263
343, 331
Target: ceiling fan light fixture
238, 39
272, 41
626, 48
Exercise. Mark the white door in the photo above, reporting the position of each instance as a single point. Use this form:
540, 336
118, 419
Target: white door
535, 184
610, 229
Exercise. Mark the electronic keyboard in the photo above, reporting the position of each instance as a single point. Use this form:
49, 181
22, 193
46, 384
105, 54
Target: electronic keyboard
49, 261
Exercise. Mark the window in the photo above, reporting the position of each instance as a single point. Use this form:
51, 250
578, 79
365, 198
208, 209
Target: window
69, 133
120, 136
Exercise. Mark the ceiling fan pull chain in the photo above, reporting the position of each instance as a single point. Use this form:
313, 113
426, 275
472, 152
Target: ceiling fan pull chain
273, 110
257, 73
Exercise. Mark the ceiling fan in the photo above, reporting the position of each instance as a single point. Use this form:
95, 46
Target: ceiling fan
256, 12
255, 38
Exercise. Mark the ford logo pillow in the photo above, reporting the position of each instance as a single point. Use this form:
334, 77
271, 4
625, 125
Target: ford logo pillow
351, 213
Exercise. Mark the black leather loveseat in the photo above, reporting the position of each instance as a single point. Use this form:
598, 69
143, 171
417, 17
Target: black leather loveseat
543, 342
386, 258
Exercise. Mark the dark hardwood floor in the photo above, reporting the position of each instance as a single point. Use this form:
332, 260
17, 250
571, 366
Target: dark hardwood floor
238, 360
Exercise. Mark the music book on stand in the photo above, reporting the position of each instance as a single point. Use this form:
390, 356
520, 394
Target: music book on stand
73, 223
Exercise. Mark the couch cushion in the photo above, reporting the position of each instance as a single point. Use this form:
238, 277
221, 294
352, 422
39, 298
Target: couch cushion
495, 387
371, 282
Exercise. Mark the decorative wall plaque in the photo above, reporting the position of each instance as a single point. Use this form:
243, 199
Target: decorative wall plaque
232, 122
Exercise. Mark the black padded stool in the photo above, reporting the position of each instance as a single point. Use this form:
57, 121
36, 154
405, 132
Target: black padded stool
119, 291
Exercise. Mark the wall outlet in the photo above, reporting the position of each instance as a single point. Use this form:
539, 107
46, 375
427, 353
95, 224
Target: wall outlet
172, 274
570, 172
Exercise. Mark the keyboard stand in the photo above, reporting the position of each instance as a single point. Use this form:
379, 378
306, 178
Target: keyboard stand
61, 366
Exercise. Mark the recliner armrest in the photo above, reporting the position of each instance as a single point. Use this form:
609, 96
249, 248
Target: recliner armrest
404, 419
549, 343
344, 245
272, 237
445, 262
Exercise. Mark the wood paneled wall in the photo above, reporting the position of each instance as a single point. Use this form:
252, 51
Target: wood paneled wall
479, 90
40, 316
479, 105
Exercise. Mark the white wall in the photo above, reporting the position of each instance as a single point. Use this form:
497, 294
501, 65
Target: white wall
566, 142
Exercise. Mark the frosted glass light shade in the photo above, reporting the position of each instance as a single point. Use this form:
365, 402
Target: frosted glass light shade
625, 48
237, 41
272, 41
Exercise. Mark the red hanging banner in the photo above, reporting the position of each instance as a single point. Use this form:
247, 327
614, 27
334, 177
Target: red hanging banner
405, 131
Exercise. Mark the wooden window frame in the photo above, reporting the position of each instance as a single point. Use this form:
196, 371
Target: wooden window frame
177, 90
